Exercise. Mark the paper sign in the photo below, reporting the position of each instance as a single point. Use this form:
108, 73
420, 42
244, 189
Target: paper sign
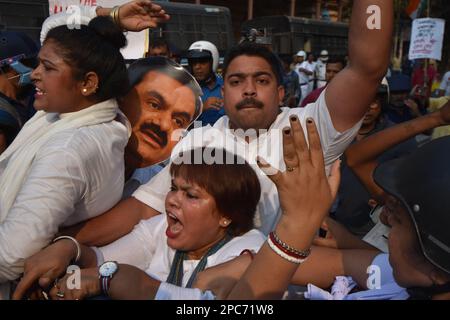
136, 40
427, 37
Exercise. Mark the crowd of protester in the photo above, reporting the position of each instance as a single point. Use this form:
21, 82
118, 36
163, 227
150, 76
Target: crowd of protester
163, 181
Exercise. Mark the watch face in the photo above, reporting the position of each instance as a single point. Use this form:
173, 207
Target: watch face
108, 268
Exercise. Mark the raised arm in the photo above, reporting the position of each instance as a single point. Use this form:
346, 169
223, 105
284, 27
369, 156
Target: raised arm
137, 15
362, 156
354, 88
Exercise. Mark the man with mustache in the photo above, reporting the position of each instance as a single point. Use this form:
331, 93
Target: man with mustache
253, 93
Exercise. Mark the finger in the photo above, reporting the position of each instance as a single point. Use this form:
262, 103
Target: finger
298, 137
48, 279
25, 284
272, 173
315, 147
289, 152
155, 8
148, 5
334, 179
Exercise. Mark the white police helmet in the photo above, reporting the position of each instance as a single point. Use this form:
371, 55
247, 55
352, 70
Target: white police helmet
204, 49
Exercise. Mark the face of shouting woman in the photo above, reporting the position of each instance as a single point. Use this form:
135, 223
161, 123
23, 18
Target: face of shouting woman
194, 222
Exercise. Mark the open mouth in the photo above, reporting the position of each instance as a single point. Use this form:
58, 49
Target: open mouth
40, 92
174, 227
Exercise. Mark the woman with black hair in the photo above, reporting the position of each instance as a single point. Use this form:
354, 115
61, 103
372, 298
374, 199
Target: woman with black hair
66, 165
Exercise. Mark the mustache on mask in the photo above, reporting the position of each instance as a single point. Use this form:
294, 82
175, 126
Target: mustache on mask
156, 130
250, 102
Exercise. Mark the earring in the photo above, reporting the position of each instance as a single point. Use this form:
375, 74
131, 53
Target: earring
225, 223
84, 90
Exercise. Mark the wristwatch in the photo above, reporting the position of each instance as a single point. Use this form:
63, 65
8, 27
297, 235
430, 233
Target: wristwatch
106, 272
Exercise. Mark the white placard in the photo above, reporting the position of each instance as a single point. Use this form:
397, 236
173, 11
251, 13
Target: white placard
427, 37
136, 40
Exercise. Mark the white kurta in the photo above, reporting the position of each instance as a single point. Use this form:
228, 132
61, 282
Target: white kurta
78, 174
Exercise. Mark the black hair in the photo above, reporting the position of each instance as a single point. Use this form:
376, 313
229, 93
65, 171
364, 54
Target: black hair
337, 59
159, 42
95, 48
286, 58
255, 50
141, 67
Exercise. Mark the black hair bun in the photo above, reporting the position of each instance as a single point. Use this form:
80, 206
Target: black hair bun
107, 29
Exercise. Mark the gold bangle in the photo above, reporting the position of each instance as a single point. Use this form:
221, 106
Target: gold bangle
115, 15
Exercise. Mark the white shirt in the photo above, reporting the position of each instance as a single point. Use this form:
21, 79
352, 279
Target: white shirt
77, 175
303, 77
445, 84
321, 72
146, 248
268, 146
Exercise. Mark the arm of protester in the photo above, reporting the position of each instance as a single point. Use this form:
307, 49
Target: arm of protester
325, 264
40, 208
133, 16
113, 224
137, 15
338, 237
303, 211
222, 278
46, 266
43, 268
128, 283
354, 88
361, 156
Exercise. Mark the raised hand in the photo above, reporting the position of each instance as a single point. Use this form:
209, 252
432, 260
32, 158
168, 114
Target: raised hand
304, 190
140, 15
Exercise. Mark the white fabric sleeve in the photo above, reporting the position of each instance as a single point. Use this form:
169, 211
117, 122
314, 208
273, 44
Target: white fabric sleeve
99, 255
54, 185
74, 16
333, 142
136, 248
153, 193
167, 291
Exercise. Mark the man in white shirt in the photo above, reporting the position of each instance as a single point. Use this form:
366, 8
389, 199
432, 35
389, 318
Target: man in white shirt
252, 95
306, 74
321, 69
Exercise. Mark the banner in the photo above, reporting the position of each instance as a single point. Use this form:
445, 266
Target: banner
136, 40
427, 37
